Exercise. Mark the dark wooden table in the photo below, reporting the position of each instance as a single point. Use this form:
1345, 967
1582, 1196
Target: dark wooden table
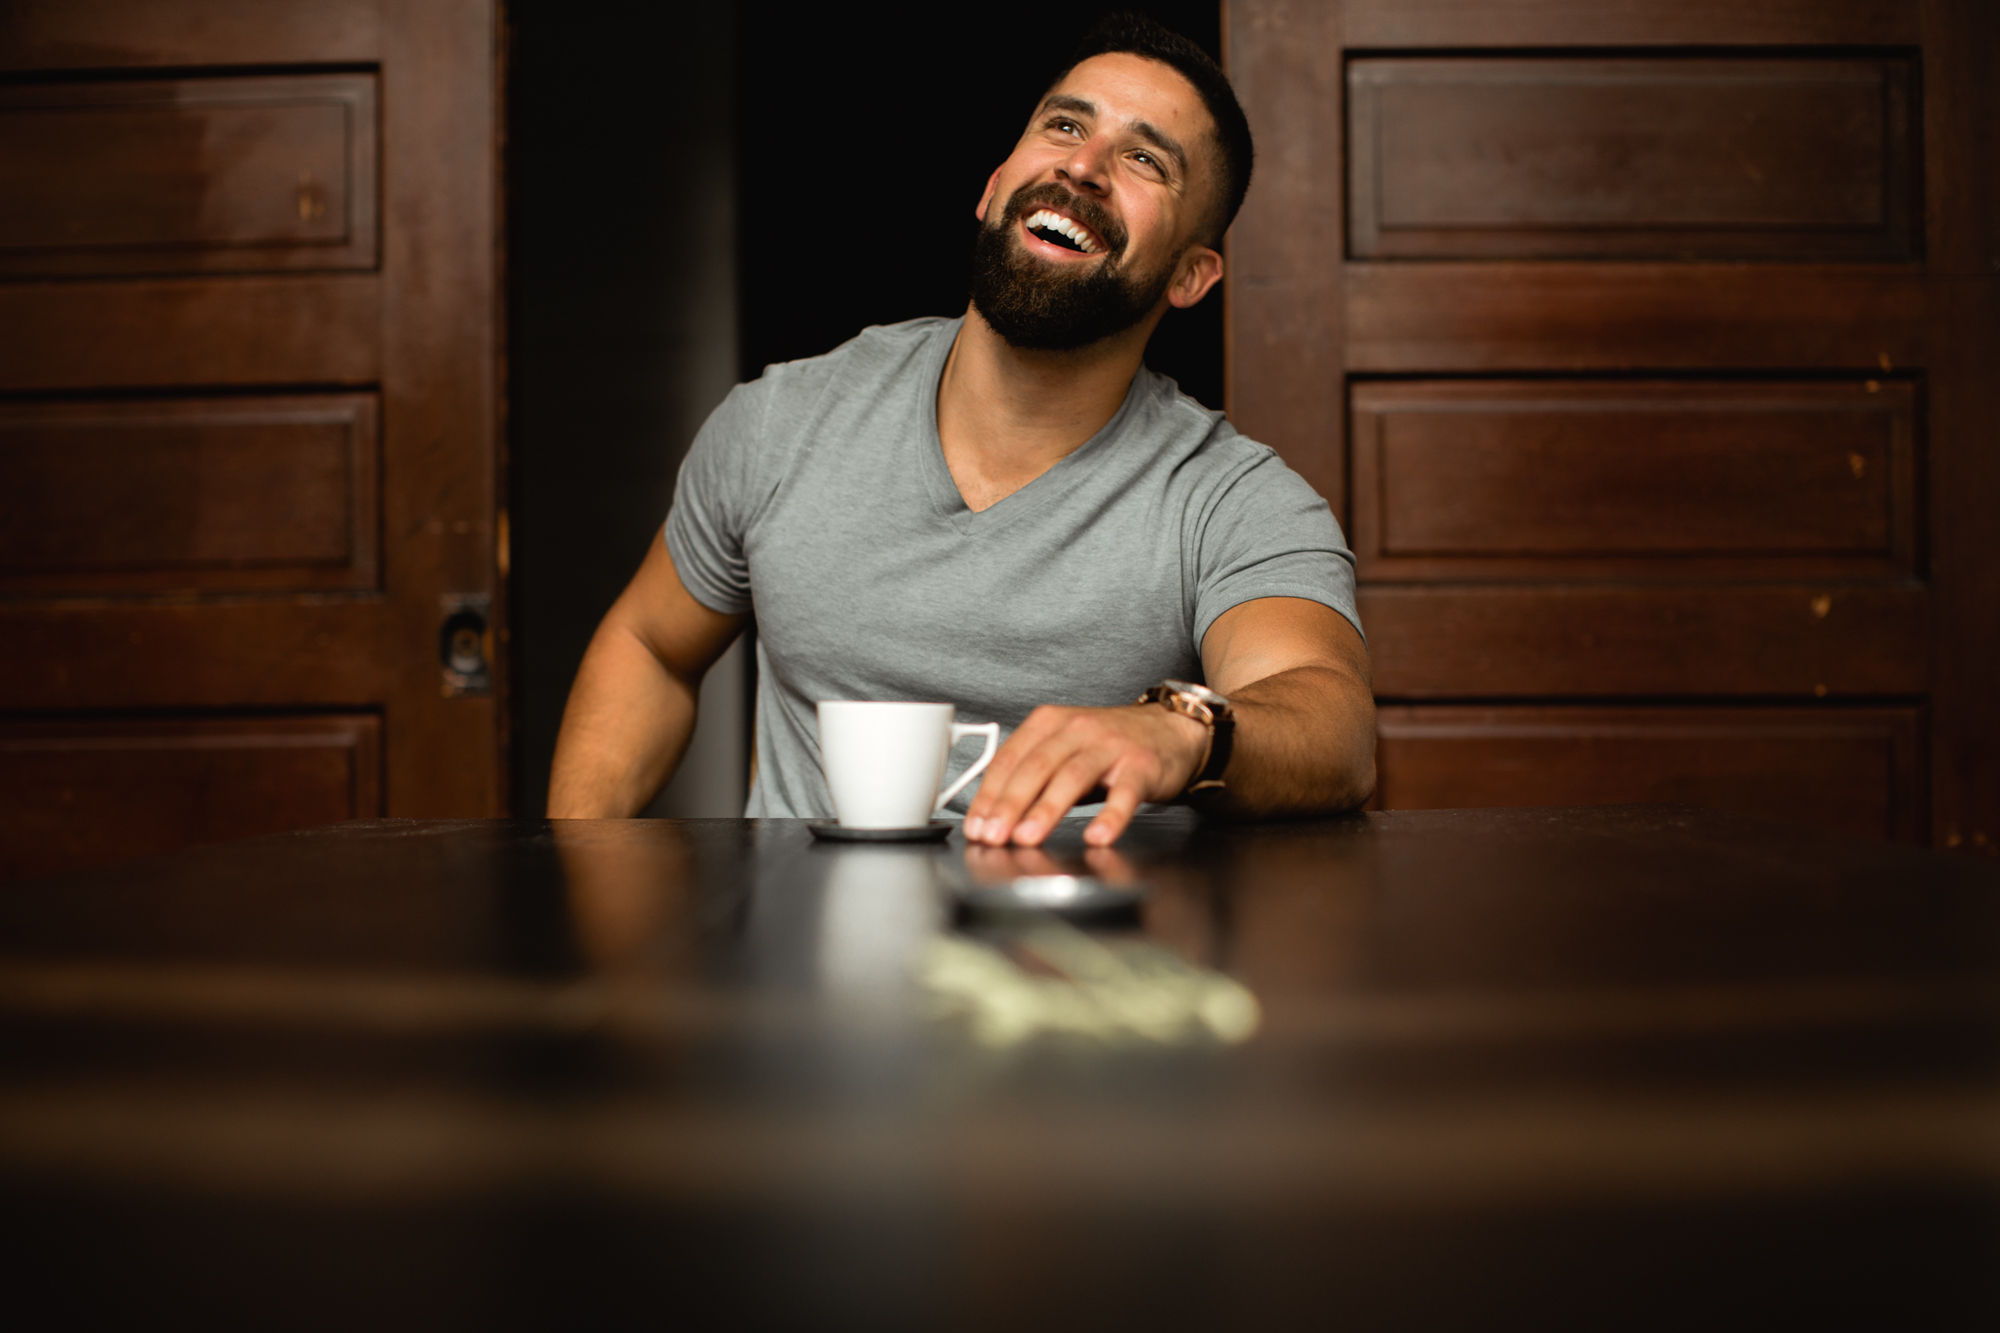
1611, 1067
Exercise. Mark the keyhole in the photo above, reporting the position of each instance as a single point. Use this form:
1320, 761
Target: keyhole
465, 654
462, 645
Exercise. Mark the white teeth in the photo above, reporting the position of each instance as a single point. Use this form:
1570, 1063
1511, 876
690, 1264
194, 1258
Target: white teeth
1055, 222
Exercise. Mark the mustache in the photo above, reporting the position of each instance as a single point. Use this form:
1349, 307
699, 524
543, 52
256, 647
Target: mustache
1085, 210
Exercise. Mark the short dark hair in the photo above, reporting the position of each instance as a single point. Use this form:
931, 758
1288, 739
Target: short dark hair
1126, 33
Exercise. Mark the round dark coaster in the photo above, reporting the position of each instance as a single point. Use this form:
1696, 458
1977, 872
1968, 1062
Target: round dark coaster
830, 830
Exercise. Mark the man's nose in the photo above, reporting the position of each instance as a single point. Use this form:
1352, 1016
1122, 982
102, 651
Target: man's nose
1087, 169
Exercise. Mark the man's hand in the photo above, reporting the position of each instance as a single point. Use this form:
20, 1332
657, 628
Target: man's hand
1056, 757
1296, 674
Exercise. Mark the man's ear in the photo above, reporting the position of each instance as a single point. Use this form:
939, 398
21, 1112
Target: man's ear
992, 183
1200, 269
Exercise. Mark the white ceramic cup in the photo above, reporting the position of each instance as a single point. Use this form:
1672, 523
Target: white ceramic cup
883, 761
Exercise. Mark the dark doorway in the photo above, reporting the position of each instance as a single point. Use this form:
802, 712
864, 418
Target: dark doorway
867, 136
685, 188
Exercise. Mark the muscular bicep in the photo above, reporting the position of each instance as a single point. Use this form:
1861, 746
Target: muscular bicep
657, 609
1267, 635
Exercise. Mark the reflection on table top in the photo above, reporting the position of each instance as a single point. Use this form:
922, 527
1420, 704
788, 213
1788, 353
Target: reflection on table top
520, 1071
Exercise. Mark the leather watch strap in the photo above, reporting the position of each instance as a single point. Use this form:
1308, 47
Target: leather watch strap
1221, 739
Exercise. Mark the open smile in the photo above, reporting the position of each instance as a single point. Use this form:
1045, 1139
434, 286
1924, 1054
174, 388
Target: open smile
1045, 224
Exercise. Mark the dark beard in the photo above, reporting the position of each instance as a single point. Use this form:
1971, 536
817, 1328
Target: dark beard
1042, 307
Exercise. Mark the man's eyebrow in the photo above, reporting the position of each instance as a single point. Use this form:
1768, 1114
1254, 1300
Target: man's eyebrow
1064, 102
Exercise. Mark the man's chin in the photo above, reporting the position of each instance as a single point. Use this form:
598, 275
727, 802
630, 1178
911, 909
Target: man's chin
1039, 303
1054, 338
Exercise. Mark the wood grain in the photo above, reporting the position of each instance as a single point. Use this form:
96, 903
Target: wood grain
1963, 143
226, 175
161, 333
1633, 23
54, 35
1576, 217
1478, 317
1621, 157
1571, 641
182, 652
1284, 313
212, 495
86, 793
1647, 479
209, 548
441, 393
1850, 771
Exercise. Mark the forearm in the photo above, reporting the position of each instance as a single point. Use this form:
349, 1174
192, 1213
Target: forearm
1297, 678
624, 730
1304, 744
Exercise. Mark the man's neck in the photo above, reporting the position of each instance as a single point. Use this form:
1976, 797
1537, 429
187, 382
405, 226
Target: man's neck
1005, 416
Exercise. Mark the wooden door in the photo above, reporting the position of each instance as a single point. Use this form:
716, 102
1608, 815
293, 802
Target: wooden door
1647, 352
248, 410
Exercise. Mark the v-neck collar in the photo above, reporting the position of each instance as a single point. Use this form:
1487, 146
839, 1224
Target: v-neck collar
946, 500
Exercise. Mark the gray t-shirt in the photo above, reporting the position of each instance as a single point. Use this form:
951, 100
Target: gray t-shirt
818, 496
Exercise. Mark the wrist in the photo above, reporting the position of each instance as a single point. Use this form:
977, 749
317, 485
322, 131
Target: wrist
1192, 740
1209, 711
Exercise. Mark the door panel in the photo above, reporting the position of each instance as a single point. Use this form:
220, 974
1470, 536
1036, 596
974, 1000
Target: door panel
90, 792
1593, 23
1573, 479
215, 495
189, 175
1645, 352
248, 415
1587, 156
1849, 771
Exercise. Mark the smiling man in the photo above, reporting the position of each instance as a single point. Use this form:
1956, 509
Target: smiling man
1009, 512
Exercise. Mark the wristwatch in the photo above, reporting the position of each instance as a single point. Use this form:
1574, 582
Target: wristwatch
1212, 711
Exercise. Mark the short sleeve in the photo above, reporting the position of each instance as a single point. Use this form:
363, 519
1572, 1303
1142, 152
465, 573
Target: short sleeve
717, 493
1266, 533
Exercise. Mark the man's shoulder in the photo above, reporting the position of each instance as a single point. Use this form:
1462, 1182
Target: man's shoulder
878, 352
1199, 435
1214, 467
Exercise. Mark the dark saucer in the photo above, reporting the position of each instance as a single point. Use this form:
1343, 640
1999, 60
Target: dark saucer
830, 830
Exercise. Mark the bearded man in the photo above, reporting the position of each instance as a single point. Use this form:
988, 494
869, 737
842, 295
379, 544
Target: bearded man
1007, 511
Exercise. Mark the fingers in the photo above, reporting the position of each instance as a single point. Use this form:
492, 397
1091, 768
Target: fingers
1000, 774
1061, 755
1058, 795
1019, 770
1037, 793
1119, 807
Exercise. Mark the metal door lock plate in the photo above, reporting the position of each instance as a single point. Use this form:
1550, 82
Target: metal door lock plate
465, 644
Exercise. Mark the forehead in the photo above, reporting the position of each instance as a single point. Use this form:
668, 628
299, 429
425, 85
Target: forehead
1128, 88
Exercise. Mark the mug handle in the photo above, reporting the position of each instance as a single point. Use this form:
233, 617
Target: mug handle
959, 731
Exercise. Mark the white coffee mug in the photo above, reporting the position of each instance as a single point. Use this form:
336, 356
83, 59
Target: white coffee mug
883, 761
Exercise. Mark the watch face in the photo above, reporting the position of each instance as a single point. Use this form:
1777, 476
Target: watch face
1201, 692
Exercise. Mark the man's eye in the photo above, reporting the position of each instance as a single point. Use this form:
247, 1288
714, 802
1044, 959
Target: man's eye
1062, 126
1148, 160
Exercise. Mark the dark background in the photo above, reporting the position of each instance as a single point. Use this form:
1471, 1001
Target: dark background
695, 192
884, 111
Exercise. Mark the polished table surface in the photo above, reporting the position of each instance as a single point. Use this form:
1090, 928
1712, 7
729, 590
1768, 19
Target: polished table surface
1633, 1066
